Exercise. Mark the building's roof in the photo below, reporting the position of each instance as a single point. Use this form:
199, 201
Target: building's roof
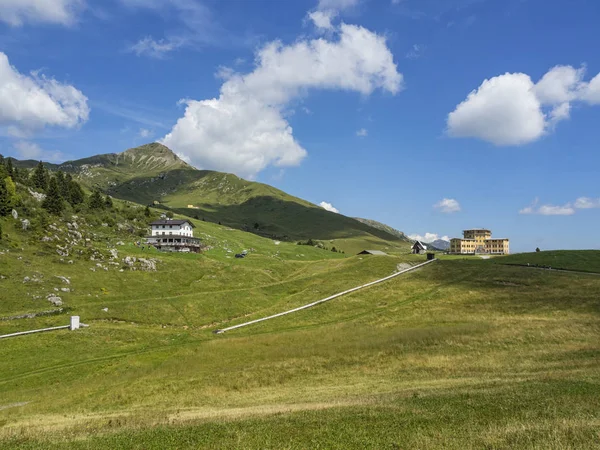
497, 239
477, 229
373, 252
423, 246
172, 236
172, 222
462, 239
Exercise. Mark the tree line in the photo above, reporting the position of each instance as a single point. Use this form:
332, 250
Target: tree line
59, 188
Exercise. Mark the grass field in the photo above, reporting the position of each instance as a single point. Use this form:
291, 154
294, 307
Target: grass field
463, 353
578, 260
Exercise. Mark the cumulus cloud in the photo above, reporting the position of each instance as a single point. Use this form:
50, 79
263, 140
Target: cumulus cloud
29, 102
19, 12
244, 130
428, 237
322, 19
327, 10
548, 210
511, 109
587, 203
447, 205
329, 207
362, 132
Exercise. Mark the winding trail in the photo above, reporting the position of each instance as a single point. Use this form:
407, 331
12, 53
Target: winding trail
310, 305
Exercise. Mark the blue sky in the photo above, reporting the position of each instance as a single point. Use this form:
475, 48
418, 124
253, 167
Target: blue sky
429, 115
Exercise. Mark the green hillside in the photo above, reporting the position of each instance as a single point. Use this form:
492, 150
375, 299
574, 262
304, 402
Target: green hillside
580, 260
461, 353
153, 173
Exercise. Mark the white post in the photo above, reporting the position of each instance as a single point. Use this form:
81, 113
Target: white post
74, 323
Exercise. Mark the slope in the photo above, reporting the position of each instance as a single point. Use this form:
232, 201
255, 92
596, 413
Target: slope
153, 174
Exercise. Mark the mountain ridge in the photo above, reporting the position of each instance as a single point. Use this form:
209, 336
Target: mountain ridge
152, 174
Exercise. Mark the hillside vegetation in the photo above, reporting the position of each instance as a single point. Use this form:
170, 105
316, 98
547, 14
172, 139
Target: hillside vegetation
460, 354
153, 173
580, 260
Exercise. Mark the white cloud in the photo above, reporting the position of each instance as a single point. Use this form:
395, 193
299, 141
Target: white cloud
145, 133
587, 203
327, 10
428, 237
155, 49
32, 102
504, 111
447, 205
195, 27
590, 92
362, 132
511, 110
244, 129
322, 19
337, 5
548, 210
30, 150
19, 12
329, 207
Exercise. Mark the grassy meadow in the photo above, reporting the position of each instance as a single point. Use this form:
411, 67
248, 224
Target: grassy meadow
463, 353
577, 260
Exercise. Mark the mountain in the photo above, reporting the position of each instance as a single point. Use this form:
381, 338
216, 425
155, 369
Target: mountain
439, 244
153, 174
384, 227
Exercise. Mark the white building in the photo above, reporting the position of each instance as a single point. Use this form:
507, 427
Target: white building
172, 227
173, 235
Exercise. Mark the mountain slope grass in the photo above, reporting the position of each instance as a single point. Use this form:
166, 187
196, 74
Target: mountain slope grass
579, 260
153, 173
458, 354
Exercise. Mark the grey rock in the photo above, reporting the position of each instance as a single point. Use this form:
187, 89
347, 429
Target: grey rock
15, 214
63, 279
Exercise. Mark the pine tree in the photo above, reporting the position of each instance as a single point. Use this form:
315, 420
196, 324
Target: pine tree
5, 207
108, 202
147, 211
96, 201
9, 168
76, 195
53, 203
63, 185
40, 177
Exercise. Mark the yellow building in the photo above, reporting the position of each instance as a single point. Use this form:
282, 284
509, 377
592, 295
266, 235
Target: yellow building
479, 241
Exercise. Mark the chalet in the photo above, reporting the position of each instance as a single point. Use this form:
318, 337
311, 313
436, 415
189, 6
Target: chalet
419, 248
173, 235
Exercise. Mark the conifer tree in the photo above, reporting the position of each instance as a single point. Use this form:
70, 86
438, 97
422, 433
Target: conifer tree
63, 185
53, 203
96, 200
108, 202
147, 211
5, 207
40, 177
9, 168
76, 195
